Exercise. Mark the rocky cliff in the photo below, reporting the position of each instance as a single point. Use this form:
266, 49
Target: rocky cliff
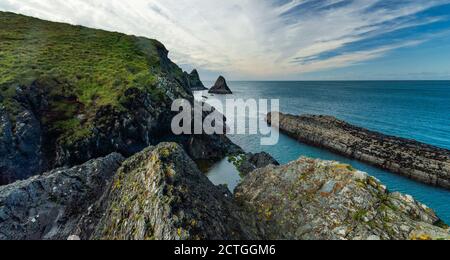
314, 199
424, 163
194, 82
69, 94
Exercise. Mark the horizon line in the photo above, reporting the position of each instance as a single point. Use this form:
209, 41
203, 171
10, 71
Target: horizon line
331, 80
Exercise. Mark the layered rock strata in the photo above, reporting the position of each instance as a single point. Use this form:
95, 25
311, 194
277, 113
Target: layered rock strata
419, 161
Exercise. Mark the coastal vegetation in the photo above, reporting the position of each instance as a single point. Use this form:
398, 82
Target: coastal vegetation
82, 69
78, 93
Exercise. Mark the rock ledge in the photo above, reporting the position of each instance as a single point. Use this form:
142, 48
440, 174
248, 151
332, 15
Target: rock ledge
421, 162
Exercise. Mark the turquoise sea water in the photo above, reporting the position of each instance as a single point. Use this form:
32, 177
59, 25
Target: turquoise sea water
417, 110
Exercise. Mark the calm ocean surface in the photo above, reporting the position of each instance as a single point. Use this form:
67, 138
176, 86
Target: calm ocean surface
417, 110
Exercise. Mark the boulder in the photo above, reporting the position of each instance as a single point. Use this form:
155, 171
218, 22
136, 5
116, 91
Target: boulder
323, 200
220, 87
51, 206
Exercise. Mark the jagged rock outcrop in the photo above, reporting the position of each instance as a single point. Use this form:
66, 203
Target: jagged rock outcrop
421, 162
221, 87
20, 146
51, 206
160, 194
315, 199
194, 82
206, 147
247, 163
210, 147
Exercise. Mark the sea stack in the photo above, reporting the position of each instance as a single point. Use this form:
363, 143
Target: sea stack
220, 87
195, 83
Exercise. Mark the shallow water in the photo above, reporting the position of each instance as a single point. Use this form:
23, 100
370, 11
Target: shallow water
412, 109
225, 173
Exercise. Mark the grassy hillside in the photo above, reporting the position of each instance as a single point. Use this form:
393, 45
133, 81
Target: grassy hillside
82, 69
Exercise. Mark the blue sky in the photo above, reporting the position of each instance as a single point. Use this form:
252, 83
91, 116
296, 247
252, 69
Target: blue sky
277, 39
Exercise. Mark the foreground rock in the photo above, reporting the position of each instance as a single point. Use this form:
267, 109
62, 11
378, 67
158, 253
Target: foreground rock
52, 206
194, 82
424, 163
160, 194
221, 87
314, 199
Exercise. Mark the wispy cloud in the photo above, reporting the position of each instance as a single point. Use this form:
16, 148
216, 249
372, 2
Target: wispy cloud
250, 38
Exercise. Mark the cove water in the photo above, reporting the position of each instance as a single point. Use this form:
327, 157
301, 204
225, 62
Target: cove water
417, 110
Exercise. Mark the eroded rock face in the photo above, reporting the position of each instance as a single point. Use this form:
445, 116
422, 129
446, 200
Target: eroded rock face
160, 194
221, 87
194, 82
251, 162
422, 162
314, 199
51, 206
126, 131
21, 143
203, 146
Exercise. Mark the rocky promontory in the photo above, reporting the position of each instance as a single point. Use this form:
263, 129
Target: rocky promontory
421, 162
323, 200
221, 87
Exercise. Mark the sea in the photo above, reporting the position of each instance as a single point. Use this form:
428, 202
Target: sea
418, 110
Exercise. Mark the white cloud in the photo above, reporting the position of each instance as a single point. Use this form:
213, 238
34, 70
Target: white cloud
244, 38
353, 58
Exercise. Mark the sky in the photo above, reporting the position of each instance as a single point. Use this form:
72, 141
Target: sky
277, 39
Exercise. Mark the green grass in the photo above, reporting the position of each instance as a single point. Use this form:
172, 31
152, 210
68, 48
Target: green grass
96, 66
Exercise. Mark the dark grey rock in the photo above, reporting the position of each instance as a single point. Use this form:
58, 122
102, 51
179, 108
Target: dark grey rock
221, 87
211, 147
419, 161
50, 206
21, 154
261, 160
160, 194
251, 162
194, 82
205, 147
